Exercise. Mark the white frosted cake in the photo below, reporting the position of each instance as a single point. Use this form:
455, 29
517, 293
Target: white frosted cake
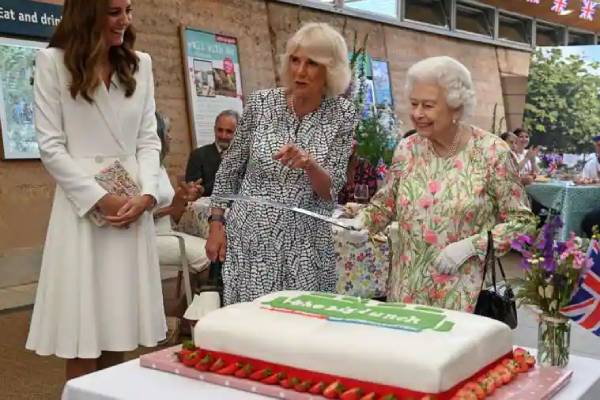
400, 349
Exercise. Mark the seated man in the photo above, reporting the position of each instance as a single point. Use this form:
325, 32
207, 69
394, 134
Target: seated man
591, 171
205, 161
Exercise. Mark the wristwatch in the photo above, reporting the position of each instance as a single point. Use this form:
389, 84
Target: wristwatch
217, 218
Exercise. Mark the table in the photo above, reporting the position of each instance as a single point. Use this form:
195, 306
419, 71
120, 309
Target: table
131, 381
572, 202
362, 269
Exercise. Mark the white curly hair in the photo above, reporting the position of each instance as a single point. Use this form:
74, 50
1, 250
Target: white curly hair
326, 46
449, 74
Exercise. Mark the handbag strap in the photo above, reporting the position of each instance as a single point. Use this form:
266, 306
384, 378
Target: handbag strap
490, 261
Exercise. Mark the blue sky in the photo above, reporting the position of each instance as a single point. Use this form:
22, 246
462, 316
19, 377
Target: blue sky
385, 7
588, 53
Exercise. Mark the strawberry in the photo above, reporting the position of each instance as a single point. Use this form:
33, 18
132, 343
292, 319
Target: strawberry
352, 394
427, 397
333, 390
519, 352
181, 354
229, 369
490, 386
477, 389
217, 365
288, 383
191, 359
261, 374
188, 345
530, 360
303, 386
274, 379
244, 371
205, 363
389, 397
369, 396
495, 376
317, 388
465, 394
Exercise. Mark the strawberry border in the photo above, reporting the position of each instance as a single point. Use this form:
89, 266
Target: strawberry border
478, 386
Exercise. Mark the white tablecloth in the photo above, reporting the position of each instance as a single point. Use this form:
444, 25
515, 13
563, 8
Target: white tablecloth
131, 381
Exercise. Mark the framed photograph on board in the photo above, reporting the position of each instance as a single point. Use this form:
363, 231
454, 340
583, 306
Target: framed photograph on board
17, 67
213, 80
382, 83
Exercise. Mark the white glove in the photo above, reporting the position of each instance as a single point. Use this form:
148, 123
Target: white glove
357, 237
454, 256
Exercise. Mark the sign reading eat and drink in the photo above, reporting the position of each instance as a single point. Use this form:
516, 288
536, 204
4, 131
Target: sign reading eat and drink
29, 18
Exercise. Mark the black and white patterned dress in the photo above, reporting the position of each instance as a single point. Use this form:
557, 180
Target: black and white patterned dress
270, 249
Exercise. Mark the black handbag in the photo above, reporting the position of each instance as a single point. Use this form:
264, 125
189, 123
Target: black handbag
491, 303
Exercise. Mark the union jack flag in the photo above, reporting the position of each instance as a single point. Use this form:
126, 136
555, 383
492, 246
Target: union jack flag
534, 1
588, 9
559, 6
584, 307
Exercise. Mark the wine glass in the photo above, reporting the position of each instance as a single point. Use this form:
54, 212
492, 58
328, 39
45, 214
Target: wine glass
361, 193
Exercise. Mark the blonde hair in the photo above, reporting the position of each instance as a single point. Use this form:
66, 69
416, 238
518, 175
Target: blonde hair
325, 46
449, 74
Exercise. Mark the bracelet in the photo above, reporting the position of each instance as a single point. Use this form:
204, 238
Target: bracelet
216, 218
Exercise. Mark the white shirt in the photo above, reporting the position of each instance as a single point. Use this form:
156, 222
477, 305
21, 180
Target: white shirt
591, 169
528, 166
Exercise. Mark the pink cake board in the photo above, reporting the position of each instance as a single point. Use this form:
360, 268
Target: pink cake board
539, 384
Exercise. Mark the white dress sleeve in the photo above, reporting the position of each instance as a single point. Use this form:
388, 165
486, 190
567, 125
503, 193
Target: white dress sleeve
79, 187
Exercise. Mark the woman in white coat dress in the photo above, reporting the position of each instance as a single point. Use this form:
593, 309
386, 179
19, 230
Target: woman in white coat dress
99, 292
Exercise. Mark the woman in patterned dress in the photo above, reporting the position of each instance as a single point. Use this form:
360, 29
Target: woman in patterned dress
292, 146
447, 187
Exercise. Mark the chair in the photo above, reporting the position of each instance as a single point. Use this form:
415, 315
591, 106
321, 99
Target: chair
183, 252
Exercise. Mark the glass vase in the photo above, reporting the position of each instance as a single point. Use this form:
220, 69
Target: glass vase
554, 337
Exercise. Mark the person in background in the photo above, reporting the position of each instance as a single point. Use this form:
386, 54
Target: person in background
99, 292
447, 187
204, 161
292, 146
171, 206
511, 139
527, 158
360, 172
591, 170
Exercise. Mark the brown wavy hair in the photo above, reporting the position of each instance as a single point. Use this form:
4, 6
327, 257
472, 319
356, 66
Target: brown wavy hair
80, 35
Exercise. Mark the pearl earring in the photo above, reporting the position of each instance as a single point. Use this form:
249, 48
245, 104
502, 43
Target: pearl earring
454, 121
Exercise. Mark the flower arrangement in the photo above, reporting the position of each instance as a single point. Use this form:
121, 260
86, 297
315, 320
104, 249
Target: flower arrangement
377, 134
553, 270
552, 163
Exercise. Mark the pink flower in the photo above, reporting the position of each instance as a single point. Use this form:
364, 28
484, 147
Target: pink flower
425, 202
430, 237
404, 202
441, 278
434, 187
404, 259
469, 216
407, 299
458, 164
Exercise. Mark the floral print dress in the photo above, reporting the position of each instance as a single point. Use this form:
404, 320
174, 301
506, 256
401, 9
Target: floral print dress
437, 201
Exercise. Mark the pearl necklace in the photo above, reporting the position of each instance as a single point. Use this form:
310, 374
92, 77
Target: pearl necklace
452, 149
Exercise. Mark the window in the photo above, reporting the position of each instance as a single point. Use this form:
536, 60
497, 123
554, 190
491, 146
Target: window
435, 12
383, 7
470, 18
548, 35
580, 38
513, 28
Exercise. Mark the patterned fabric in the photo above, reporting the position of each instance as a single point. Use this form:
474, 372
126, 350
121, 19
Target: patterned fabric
270, 249
439, 201
363, 268
572, 202
364, 174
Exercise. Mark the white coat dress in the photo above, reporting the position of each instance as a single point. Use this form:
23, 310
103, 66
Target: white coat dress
99, 287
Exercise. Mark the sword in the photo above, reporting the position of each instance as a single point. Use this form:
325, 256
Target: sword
258, 200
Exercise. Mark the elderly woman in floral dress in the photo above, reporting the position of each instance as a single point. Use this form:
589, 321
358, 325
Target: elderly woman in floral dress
448, 185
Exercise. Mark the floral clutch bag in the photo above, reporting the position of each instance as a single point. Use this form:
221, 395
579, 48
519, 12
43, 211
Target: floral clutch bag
115, 180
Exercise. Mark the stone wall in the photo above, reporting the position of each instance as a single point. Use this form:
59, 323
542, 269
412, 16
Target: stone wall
262, 28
